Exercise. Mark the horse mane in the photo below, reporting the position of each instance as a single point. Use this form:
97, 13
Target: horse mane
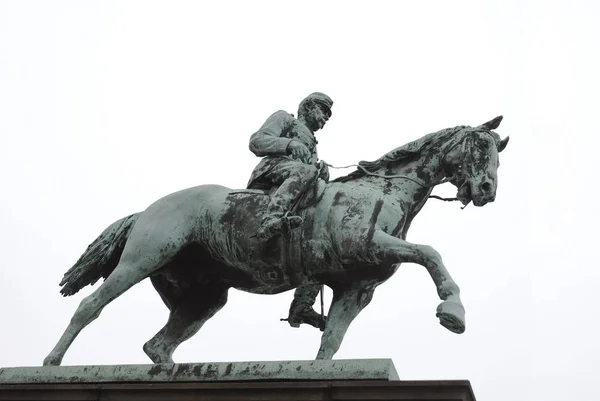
441, 139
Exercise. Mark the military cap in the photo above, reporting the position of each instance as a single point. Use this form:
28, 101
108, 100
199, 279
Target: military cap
319, 98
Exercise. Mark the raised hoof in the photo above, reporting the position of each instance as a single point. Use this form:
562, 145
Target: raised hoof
452, 316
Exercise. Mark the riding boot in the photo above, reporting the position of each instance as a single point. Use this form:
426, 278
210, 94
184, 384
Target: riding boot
301, 310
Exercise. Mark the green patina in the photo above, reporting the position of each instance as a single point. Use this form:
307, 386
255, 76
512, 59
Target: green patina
290, 229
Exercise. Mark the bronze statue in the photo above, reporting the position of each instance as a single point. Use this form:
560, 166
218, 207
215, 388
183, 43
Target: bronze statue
198, 243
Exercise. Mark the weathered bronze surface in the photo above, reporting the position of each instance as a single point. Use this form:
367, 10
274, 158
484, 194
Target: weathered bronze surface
198, 243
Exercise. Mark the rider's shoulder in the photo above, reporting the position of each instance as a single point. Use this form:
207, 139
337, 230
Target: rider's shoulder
281, 118
282, 114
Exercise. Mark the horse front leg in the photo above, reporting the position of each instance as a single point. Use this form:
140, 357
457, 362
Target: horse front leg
347, 303
391, 250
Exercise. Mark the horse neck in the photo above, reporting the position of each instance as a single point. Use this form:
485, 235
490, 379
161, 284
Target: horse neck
426, 171
407, 181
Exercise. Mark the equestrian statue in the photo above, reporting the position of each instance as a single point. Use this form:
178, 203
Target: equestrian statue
289, 229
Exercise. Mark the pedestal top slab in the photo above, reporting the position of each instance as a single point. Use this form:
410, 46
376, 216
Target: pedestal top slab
348, 369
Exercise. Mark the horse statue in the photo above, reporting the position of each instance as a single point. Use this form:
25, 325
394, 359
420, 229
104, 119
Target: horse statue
198, 243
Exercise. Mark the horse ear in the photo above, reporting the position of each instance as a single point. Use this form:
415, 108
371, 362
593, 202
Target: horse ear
492, 124
503, 144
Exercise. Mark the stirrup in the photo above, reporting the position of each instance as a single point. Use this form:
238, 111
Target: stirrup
291, 220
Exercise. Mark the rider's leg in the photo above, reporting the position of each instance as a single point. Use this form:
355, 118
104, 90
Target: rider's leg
294, 178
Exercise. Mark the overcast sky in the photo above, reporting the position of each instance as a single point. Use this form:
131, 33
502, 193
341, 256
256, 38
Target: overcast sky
107, 106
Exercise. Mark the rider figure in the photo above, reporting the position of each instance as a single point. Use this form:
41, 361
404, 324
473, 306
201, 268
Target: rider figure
291, 159
291, 163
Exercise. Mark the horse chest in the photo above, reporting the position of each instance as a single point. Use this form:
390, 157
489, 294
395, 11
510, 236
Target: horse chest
394, 221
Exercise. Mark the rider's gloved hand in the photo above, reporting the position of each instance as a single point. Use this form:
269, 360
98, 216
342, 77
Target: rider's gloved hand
298, 151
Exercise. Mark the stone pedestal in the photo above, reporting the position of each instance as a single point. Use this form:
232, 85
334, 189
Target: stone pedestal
368, 379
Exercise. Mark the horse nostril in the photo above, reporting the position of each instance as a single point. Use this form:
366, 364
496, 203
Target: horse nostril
486, 187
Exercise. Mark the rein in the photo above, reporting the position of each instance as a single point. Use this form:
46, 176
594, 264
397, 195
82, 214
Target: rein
387, 177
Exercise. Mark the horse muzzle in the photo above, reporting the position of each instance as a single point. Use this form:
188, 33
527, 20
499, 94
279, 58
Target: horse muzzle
485, 194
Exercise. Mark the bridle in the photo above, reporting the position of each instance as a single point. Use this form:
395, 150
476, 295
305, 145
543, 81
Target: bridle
464, 169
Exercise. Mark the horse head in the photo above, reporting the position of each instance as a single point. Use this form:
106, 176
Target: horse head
473, 161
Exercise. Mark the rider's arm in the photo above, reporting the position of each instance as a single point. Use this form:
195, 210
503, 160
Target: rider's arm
268, 140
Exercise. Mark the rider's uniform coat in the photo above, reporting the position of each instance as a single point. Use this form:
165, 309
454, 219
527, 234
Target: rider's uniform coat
277, 168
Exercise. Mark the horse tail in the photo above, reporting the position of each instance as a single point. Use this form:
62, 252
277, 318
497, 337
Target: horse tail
100, 258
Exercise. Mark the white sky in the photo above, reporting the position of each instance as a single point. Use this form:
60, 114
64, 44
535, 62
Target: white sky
107, 106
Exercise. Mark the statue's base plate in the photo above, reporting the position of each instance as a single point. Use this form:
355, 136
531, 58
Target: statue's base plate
349, 369
366, 379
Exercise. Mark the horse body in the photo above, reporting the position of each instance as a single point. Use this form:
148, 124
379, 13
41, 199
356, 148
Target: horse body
208, 229
197, 243
205, 228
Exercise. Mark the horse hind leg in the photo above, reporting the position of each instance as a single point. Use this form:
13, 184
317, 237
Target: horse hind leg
137, 263
121, 279
190, 309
